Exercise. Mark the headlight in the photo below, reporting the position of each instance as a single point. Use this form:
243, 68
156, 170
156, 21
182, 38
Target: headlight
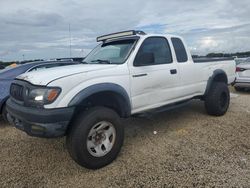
42, 96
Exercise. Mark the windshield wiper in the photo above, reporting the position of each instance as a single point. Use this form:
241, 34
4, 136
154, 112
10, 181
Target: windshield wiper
101, 61
84, 62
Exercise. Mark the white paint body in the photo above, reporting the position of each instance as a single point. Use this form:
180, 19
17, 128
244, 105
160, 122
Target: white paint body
157, 89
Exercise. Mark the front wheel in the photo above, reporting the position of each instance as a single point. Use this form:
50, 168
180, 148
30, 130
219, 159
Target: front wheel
95, 138
4, 114
218, 99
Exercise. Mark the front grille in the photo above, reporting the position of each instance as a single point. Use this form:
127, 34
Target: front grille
16, 91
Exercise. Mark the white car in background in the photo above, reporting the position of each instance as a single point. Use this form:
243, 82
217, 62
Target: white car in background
242, 81
240, 60
247, 60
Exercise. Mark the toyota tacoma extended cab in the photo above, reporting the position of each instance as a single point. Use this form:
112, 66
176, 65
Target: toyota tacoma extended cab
128, 73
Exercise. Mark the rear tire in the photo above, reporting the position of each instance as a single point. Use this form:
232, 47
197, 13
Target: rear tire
218, 99
89, 142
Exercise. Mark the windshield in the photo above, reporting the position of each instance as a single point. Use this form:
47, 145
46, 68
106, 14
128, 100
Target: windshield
247, 60
115, 52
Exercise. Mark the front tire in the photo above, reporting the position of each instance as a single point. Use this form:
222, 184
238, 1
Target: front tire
95, 138
4, 114
218, 99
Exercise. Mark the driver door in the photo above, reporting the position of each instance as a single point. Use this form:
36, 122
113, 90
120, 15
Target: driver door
153, 82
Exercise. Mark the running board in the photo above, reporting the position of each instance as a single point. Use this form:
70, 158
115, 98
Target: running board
164, 108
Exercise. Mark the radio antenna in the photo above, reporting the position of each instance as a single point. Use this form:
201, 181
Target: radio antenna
69, 41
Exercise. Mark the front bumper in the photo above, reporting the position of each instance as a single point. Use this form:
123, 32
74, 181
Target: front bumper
47, 123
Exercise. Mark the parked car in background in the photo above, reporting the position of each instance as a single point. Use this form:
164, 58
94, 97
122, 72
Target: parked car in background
247, 60
242, 81
8, 74
240, 60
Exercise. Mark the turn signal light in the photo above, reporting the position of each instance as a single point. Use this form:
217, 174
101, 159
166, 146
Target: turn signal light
52, 94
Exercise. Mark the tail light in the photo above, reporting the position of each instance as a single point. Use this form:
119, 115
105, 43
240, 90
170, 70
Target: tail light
238, 69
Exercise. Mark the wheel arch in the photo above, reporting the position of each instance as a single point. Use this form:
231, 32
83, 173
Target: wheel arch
219, 75
104, 94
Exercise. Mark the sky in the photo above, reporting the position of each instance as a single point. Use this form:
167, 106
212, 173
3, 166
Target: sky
32, 29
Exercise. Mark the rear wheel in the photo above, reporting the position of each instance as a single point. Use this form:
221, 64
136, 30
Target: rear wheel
95, 138
218, 99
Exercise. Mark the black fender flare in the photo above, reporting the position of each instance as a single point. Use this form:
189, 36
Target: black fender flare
103, 87
2, 103
217, 73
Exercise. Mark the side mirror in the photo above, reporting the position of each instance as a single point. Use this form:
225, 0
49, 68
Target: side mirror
145, 59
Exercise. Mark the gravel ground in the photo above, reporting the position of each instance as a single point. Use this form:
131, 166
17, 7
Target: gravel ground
189, 149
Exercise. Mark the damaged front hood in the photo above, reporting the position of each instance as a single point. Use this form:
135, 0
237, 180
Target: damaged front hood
44, 77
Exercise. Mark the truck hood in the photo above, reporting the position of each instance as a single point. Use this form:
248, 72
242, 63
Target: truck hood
44, 77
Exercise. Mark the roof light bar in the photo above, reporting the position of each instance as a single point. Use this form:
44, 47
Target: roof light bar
119, 34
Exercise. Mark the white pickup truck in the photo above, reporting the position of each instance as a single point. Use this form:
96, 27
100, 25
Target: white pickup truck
128, 73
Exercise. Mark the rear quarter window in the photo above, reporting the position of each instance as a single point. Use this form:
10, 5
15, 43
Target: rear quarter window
180, 50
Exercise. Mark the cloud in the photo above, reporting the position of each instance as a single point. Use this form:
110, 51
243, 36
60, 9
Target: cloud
40, 29
31, 18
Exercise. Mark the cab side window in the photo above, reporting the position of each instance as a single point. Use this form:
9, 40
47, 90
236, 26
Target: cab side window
153, 51
180, 50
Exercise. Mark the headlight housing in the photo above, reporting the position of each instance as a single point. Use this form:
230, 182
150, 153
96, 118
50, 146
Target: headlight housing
42, 96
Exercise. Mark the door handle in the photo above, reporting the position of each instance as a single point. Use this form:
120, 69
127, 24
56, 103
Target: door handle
173, 71
139, 75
